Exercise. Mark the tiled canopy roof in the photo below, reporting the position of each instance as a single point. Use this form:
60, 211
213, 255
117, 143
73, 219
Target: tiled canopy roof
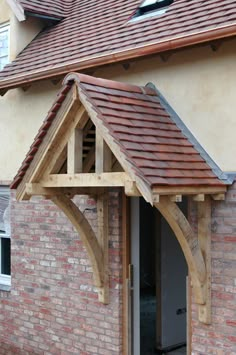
100, 32
146, 132
51, 8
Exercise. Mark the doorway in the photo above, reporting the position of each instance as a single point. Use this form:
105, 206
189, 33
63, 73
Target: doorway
159, 283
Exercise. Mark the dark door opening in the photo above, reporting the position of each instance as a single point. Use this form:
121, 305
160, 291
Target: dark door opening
161, 271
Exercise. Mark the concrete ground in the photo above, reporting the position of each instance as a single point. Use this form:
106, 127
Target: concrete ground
181, 351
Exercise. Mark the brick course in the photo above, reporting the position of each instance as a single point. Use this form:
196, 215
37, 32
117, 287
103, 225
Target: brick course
53, 307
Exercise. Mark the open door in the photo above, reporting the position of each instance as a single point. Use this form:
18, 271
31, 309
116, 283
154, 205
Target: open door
159, 283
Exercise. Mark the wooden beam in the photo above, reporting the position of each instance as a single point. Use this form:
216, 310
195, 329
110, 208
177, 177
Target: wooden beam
103, 157
204, 237
75, 152
103, 240
189, 190
86, 234
131, 189
36, 189
85, 180
199, 197
189, 244
218, 197
176, 198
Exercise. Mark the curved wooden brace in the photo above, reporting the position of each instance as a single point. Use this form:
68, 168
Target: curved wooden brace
87, 236
189, 244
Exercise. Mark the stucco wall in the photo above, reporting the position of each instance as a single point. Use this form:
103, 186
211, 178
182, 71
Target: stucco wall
200, 86
5, 12
21, 115
198, 83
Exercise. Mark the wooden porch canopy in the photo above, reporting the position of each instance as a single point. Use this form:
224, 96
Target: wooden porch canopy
100, 133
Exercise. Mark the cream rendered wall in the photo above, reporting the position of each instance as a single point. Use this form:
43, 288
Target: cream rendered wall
198, 83
5, 12
20, 112
21, 115
22, 33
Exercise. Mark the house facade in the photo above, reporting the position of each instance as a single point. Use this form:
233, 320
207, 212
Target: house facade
61, 293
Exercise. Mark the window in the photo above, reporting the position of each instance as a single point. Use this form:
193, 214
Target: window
5, 241
153, 7
4, 45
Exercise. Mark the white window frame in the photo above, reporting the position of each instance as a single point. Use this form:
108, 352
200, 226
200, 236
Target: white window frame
3, 28
5, 280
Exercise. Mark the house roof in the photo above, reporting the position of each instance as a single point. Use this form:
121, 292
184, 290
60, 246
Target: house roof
138, 122
49, 8
102, 32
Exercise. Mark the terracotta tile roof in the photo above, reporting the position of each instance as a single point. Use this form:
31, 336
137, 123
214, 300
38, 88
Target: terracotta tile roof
146, 132
51, 8
100, 32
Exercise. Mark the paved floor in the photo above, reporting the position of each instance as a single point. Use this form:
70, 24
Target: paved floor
181, 351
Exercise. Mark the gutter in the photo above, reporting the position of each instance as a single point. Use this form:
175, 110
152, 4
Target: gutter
118, 56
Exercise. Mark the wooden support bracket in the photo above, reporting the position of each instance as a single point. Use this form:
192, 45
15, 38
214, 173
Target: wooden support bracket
204, 237
195, 248
103, 240
97, 249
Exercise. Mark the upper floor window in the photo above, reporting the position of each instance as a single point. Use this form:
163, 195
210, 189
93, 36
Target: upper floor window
4, 45
5, 235
152, 7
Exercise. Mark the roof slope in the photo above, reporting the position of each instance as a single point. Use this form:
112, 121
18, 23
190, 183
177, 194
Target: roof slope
154, 148
51, 8
96, 33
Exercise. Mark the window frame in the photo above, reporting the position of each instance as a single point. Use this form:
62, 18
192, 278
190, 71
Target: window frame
5, 280
153, 8
5, 27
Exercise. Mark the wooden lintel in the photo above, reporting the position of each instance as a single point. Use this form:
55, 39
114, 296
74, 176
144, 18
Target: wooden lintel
199, 197
189, 244
103, 240
85, 180
36, 189
204, 237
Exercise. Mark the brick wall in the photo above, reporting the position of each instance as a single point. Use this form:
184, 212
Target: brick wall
220, 337
53, 307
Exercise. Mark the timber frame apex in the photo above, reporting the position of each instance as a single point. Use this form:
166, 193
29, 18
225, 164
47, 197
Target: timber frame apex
75, 152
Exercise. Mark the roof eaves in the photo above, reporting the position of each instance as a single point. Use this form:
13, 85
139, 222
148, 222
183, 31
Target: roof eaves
17, 9
119, 56
225, 178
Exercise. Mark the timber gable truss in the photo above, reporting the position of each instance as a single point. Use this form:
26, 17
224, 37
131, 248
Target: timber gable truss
78, 155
